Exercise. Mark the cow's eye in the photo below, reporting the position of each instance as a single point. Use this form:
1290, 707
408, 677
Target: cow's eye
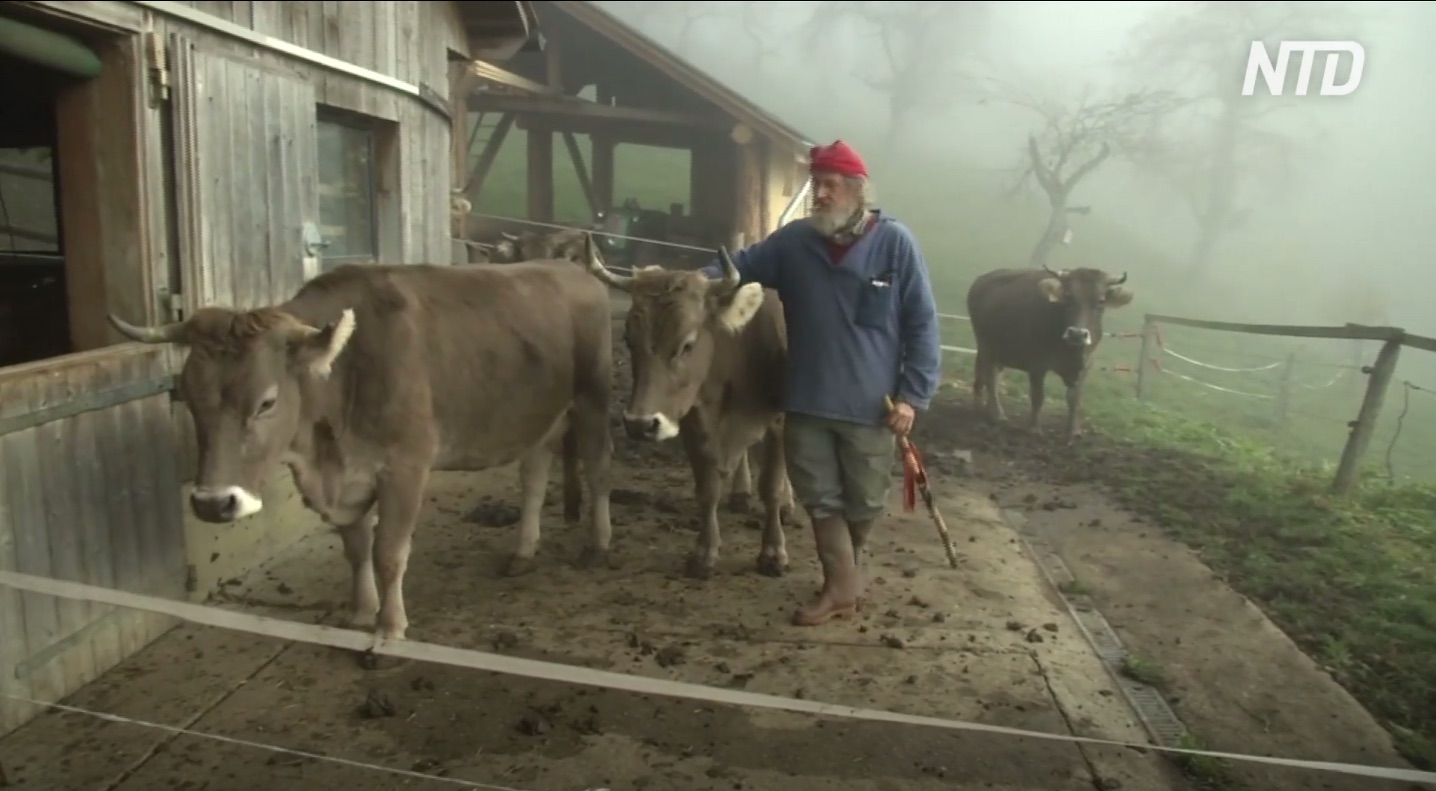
266, 405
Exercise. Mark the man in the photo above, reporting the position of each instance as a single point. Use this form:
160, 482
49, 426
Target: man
862, 325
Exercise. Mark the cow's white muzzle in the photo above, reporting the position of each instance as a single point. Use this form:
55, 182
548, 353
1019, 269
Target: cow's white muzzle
656, 427
219, 504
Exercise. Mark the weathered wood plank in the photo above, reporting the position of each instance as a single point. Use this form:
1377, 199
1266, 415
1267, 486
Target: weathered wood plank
61, 531
15, 647
84, 449
25, 501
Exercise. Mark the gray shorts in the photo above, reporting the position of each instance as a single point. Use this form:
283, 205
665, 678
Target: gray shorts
839, 468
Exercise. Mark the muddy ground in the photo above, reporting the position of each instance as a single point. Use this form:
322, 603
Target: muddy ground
989, 642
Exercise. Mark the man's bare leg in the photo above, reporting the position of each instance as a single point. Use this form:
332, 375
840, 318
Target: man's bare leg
842, 581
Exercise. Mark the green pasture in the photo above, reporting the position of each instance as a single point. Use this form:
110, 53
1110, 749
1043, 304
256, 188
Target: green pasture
1353, 581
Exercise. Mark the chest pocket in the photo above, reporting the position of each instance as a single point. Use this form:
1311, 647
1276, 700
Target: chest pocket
877, 302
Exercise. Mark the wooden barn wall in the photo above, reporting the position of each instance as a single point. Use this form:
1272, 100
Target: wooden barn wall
89, 496
93, 449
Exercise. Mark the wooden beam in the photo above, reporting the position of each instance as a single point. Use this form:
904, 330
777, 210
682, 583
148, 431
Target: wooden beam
490, 73
603, 150
487, 158
580, 170
617, 131
540, 175
579, 108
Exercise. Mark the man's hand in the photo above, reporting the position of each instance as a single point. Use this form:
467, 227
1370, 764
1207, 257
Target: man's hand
900, 418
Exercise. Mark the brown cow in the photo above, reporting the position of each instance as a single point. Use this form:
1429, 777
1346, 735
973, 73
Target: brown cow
1037, 320
534, 245
708, 361
371, 377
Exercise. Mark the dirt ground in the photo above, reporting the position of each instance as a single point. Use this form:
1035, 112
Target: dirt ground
1233, 677
989, 642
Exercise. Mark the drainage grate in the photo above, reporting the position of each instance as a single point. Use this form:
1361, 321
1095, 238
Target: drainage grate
1160, 722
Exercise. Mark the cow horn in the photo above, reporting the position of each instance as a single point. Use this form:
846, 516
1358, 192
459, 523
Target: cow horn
512, 237
731, 277
1117, 281
167, 333
594, 262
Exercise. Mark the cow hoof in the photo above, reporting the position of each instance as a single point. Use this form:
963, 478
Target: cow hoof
772, 565
595, 558
518, 566
740, 503
368, 660
363, 621
698, 568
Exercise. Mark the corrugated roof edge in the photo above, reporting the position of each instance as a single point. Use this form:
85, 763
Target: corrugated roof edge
731, 101
523, 32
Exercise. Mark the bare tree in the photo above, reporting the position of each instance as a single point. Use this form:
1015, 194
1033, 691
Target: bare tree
1219, 157
759, 24
680, 18
920, 47
1075, 140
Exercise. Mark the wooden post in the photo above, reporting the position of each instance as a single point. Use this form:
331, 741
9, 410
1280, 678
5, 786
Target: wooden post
1283, 391
1143, 353
540, 174
1365, 423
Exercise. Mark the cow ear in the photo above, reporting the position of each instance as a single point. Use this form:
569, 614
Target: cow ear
738, 307
315, 351
1118, 297
1051, 288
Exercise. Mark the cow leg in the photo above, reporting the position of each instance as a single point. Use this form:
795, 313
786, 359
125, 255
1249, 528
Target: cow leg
401, 494
533, 481
358, 539
980, 374
595, 447
1035, 395
741, 491
789, 503
1074, 403
707, 483
572, 488
773, 557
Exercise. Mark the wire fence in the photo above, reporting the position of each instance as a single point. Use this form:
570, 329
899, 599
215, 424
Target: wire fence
1300, 397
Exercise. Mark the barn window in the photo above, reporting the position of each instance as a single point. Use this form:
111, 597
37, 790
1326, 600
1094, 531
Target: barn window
347, 214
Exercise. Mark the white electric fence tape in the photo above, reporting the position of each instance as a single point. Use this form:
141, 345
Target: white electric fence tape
551, 671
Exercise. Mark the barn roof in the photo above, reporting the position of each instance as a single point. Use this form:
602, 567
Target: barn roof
690, 76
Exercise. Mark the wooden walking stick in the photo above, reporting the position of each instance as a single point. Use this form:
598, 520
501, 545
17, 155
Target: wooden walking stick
914, 481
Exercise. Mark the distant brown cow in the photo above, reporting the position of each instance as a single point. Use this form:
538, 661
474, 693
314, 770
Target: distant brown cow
708, 361
535, 245
371, 377
1037, 320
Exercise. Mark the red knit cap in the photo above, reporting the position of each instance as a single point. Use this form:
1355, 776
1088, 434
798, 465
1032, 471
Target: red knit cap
837, 158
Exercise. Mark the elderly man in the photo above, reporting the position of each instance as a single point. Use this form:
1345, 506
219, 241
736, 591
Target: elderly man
862, 326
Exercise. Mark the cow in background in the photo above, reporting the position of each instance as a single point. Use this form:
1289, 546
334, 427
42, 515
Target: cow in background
534, 245
373, 376
1036, 321
708, 361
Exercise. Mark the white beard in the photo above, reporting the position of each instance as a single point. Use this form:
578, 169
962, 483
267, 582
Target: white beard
833, 221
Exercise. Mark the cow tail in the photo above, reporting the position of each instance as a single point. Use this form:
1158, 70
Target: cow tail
572, 488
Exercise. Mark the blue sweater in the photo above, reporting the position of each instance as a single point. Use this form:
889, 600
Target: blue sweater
858, 331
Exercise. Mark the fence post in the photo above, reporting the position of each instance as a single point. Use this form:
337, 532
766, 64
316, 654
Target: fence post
1283, 391
1365, 422
1142, 354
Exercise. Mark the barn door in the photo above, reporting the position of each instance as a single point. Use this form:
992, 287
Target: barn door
246, 178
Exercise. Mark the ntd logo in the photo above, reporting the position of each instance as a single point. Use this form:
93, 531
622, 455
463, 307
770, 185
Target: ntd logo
1259, 62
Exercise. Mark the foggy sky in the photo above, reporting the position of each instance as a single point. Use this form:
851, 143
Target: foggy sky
1359, 210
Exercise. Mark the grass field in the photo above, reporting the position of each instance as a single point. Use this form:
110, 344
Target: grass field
1350, 580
